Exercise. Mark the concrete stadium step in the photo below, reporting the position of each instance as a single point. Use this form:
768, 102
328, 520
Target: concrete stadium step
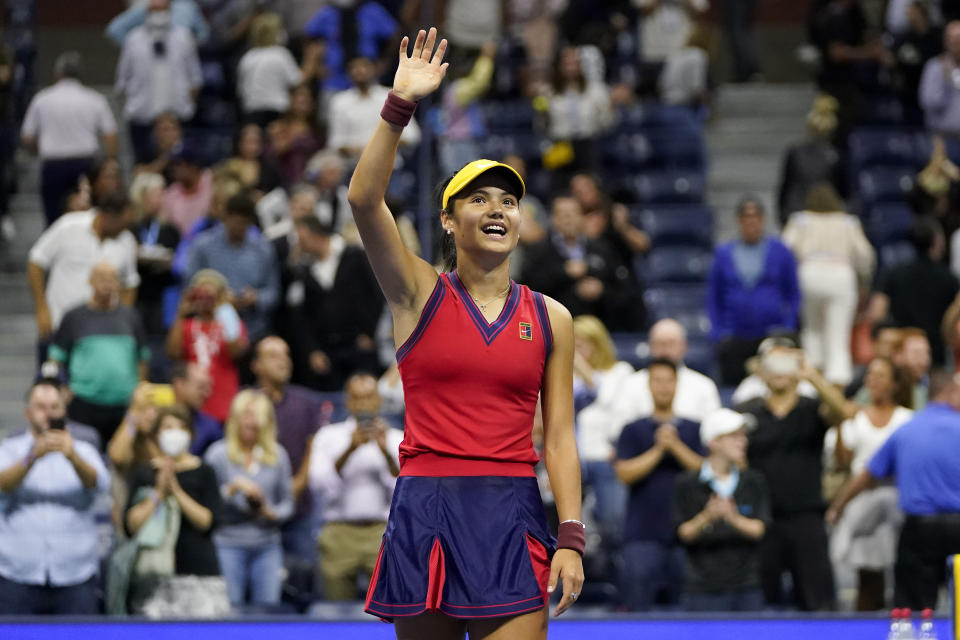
752, 126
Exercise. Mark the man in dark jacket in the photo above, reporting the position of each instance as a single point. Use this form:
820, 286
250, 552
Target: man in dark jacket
579, 272
334, 303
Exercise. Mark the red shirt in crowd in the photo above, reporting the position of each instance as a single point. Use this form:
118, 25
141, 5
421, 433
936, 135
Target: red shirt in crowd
205, 344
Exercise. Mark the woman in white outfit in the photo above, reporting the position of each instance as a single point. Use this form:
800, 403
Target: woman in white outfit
834, 257
865, 536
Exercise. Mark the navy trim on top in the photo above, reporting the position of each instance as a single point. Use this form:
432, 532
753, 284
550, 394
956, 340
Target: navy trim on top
429, 310
489, 331
541, 306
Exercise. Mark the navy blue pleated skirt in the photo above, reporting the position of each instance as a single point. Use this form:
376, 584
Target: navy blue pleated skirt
466, 546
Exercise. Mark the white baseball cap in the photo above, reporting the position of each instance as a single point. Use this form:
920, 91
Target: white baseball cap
720, 423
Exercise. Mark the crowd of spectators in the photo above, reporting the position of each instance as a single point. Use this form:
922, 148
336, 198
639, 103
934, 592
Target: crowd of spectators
218, 416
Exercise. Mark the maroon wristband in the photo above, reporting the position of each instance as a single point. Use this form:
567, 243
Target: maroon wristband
572, 535
397, 111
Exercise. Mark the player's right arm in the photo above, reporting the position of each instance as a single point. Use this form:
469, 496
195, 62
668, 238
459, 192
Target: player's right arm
406, 280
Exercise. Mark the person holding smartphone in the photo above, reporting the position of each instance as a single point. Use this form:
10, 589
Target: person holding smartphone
48, 534
786, 434
353, 468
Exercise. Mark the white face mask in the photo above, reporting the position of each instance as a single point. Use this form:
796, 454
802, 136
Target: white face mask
173, 442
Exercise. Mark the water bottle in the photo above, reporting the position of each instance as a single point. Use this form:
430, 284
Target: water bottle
927, 630
907, 631
894, 633
229, 321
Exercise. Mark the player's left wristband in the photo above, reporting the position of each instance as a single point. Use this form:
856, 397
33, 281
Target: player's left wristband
572, 534
397, 111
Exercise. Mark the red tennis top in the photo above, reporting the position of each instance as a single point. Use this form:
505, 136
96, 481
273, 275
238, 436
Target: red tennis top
470, 386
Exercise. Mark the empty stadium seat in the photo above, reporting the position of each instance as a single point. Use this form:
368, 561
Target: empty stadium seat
888, 222
664, 186
684, 303
675, 225
700, 356
894, 253
881, 110
528, 146
658, 148
213, 144
676, 265
403, 187
507, 116
890, 184
883, 147
652, 115
632, 348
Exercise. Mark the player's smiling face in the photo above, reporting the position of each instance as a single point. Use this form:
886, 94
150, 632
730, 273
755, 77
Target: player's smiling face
486, 218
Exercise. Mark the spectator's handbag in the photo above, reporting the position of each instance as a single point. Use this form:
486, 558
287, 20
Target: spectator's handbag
150, 553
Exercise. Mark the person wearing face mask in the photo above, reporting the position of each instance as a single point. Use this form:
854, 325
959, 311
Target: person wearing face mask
209, 332
103, 346
786, 434
180, 483
253, 472
722, 511
48, 534
353, 468
158, 72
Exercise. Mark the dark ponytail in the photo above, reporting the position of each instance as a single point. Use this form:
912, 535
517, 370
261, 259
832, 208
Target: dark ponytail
447, 247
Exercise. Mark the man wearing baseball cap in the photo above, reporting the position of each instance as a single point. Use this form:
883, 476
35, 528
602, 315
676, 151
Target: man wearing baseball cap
722, 512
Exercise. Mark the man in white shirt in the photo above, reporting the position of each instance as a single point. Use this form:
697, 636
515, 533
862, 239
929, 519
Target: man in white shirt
48, 535
354, 466
696, 395
355, 112
65, 124
158, 72
60, 260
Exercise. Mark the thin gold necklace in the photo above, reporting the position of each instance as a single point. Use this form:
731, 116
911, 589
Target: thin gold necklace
483, 305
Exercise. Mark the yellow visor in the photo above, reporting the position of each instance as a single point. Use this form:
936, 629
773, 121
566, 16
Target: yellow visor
473, 170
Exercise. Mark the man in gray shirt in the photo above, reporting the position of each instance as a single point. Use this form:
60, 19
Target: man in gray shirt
940, 86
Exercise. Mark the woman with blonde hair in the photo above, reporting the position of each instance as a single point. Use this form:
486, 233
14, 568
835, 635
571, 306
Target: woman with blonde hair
266, 72
597, 375
835, 259
255, 481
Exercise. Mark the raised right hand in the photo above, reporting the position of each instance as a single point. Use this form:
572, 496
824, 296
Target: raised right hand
420, 74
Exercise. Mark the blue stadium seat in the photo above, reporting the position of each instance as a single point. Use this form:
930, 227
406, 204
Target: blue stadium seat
213, 144
651, 115
700, 355
883, 147
889, 222
632, 348
659, 148
529, 146
684, 303
890, 184
403, 186
881, 110
675, 225
508, 116
213, 111
894, 253
677, 265
665, 186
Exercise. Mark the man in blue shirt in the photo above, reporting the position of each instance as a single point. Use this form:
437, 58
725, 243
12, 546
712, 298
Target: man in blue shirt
651, 453
48, 535
752, 290
922, 457
247, 262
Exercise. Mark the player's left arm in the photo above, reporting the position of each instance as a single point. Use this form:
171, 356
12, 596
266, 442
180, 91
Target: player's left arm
560, 446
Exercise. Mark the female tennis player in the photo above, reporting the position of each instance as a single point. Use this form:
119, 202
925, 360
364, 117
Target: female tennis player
467, 547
